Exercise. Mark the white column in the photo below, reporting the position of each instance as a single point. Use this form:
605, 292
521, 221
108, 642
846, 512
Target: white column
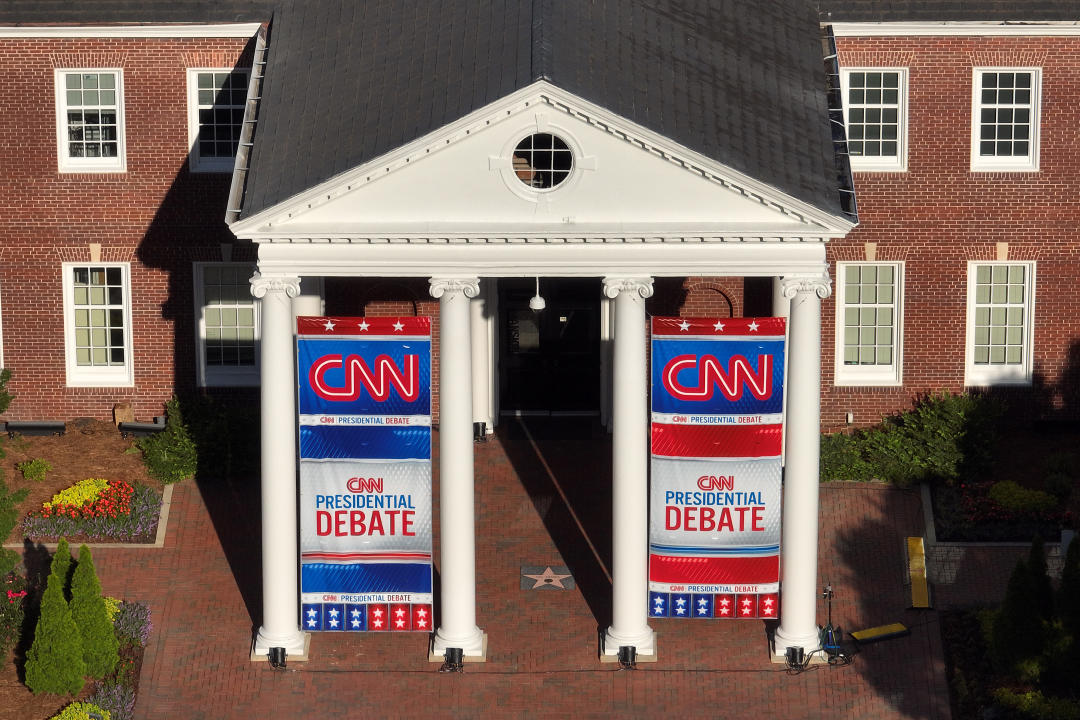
479, 334
630, 455
280, 626
781, 306
457, 532
310, 301
799, 545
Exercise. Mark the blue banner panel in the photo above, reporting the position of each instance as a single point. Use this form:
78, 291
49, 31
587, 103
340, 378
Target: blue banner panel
364, 407
365, 443
352, 376
367, 577
719, 376
715, 472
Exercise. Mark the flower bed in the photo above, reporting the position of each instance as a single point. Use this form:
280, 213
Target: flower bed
968, 512
98, 509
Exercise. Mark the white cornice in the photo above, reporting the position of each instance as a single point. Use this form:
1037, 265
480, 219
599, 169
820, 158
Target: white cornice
986, 29
222, 30
265, 224
510, 258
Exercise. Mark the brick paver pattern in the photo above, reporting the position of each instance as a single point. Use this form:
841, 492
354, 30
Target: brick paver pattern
542, 645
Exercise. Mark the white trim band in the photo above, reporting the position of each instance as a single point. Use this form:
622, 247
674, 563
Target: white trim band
986, 29
226, 30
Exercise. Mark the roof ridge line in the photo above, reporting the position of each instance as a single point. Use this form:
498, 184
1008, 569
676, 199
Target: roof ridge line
541, 44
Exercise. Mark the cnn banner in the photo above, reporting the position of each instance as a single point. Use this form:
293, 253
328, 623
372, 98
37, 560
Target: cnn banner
717, 429
365, 473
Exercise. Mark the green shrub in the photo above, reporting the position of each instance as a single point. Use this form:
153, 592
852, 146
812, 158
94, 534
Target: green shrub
1017, 634
1042, 590
5, 396
35, 469
1035, 705
170, 455
9, 517
81, 711
841, 458
1059, 485
12, 610
55, 662
61, 565
944, 438
92, 618
1068, 599
1017, 498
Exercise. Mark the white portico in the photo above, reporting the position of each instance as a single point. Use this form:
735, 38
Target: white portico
454, 207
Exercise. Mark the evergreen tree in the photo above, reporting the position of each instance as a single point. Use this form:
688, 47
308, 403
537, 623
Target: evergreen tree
1069, 590
92, 618
55, 661
61, 566
1017, 632
1041, 588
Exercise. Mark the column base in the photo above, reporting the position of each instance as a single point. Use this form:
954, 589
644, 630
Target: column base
473, 647
810, 642
296, 646
644, 646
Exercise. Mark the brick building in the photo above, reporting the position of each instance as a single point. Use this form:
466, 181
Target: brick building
181, 180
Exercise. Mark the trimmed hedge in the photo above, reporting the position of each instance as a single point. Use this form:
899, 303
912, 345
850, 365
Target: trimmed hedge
943, 439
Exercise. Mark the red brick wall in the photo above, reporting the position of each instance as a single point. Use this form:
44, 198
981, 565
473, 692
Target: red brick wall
938, 215
156, 216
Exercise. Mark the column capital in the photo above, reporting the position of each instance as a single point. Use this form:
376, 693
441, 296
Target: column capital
262, 284
614, 285
468, 285
792, 286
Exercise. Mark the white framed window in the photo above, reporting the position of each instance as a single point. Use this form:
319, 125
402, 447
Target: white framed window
90, 120
1000, 310
875, 114
1005, 107
869, 323
228, 325
97, 324
216, 100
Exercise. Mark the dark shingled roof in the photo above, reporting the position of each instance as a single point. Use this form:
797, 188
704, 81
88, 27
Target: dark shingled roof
103, 12
943, 10
740, 81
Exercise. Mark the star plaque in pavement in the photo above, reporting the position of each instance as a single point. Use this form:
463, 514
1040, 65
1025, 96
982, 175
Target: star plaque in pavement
551, 577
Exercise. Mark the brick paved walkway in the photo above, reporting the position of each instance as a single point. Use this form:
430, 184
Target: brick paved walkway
542, 644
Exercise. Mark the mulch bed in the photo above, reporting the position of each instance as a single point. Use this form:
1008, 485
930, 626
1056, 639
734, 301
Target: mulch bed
89, 449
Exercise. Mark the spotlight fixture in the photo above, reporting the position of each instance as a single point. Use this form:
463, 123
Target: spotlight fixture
276, 656
536, 303
454, 660
627, 657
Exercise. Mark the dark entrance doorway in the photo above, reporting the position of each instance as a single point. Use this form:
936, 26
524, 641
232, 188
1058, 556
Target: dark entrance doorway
550, 359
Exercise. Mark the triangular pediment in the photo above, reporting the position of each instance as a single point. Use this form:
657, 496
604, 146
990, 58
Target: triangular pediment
462, 179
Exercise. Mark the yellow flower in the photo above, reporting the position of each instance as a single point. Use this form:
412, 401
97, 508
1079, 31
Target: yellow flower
79, 493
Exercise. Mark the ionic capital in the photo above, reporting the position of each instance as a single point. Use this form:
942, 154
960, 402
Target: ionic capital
439, 286
792, 286
262, 284
641, 285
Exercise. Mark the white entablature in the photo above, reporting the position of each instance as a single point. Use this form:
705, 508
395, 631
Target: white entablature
454, 201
